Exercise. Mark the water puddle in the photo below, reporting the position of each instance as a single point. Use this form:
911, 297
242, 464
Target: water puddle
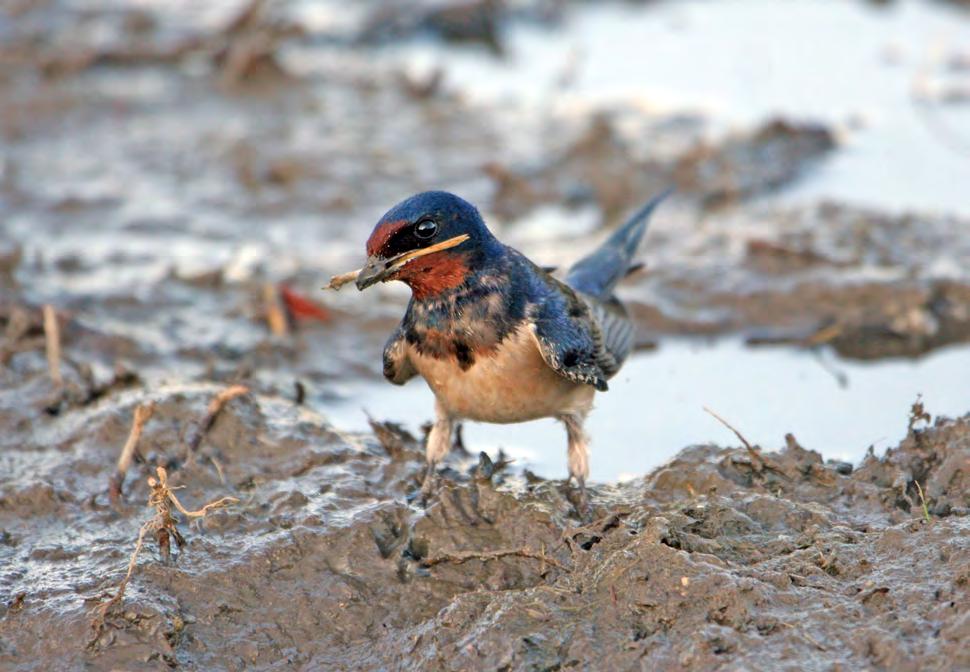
655, 406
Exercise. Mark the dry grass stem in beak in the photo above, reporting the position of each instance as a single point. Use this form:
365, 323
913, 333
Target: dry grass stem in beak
338, 281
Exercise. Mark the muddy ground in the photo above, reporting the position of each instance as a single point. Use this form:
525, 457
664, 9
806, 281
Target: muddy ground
173, 182
724, 557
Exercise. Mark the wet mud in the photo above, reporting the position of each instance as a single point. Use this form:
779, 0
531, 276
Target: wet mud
721, 557
175, 187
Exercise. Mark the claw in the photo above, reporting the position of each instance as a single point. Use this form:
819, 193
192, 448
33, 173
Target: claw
583, 508
430, 485
579, 499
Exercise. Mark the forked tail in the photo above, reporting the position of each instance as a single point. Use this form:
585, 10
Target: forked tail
598, 273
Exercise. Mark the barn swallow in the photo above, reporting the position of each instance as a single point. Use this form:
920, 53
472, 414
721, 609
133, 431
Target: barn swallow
497, 338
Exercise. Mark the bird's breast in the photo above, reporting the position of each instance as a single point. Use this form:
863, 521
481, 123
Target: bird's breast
508, 383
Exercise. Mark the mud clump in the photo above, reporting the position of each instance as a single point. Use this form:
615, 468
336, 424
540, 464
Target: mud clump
600, 166
773, 155
721, 557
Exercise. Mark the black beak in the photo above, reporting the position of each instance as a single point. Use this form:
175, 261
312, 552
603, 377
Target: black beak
374, 271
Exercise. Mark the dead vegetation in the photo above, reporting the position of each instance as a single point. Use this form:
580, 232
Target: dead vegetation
215, 407
52, 335
458, 557
163, 525
276, 318
242, 53
338, 281
759, 461
143, 414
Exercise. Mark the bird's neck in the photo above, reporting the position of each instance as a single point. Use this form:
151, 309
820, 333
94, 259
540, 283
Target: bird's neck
480, 313
436, 276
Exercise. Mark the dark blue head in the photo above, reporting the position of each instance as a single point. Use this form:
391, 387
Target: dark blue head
430, 241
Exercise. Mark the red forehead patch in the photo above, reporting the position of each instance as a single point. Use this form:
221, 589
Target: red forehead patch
382, 234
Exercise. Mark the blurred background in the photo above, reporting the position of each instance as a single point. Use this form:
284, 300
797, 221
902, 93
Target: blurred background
178, 179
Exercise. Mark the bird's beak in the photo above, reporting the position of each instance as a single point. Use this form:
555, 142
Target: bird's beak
374, 271
380, 270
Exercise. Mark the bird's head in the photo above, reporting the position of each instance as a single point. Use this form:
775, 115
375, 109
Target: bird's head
430, 241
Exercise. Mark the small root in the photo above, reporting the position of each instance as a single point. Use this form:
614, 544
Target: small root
163, 526
104, 608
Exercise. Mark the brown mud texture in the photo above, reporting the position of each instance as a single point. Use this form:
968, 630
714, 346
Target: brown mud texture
723, 557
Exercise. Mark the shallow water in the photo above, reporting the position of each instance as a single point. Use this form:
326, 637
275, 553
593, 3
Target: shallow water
655, 406
864, 69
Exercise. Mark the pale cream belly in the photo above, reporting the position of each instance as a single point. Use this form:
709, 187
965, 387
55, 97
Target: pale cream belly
513, 384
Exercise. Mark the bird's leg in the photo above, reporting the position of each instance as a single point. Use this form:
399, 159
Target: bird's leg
578, 458
439, 443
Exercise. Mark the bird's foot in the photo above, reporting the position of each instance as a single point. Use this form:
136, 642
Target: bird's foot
429, 487
580, 500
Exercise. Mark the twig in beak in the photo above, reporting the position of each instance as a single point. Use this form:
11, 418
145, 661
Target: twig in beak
338, 281
395, 263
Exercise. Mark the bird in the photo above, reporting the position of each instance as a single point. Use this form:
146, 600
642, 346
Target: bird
498, 338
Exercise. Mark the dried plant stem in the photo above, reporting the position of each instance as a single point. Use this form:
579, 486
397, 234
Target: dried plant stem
218, 504
759, 461
163, 524
824, 335
142, 414
215, 407
922, 501
276, 318
120, 592
52, 335
738, 434
459, 557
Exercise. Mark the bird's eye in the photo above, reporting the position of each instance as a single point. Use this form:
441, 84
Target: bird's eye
425, 229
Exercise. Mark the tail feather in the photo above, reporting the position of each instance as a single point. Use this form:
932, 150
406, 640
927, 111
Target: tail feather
598, 273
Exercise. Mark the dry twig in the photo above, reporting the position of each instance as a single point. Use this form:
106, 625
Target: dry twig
142, 414
759, 461
922, 501
52, 334
738, 434
824, 335
276, 317
215, 407
459, 557
338, 281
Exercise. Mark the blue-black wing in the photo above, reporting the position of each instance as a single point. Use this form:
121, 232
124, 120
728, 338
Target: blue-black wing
571, 339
